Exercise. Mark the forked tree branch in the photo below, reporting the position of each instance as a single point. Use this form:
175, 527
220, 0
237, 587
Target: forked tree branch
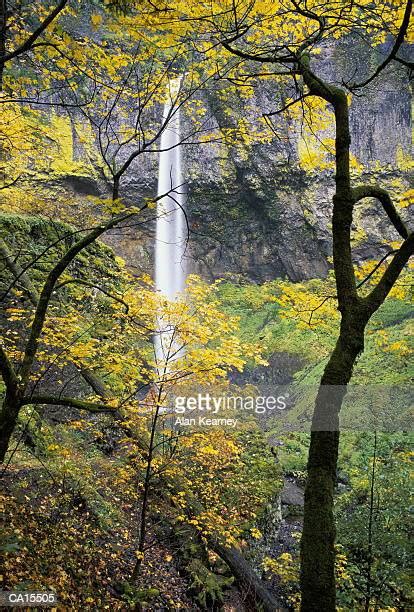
404, 62
393, 54
391, 274
373, 191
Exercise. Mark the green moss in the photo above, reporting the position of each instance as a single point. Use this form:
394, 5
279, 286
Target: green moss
28, 236
209, 587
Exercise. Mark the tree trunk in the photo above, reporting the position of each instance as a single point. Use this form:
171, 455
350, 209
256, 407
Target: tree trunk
251, 586
318, 536
8, 419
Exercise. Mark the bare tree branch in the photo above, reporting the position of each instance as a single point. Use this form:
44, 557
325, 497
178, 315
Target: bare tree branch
79, 281
376, 267
404, 62
392, 55
391, 274
373, 191
19, 273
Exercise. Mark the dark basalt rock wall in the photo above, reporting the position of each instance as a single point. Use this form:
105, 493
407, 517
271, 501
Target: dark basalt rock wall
254, 210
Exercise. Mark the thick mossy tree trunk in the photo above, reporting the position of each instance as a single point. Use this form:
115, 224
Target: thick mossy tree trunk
8, 420
317, 546
318, 538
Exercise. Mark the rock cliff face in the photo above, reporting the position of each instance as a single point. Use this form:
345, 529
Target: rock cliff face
258, 212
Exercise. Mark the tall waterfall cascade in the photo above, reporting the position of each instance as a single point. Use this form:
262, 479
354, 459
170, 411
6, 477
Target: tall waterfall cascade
171, 231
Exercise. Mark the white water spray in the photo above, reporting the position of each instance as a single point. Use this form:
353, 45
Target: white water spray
171, 234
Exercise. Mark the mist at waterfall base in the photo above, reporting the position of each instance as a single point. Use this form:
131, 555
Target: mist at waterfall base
171, 233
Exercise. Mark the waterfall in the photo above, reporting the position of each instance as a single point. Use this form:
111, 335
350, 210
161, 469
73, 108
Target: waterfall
171, 234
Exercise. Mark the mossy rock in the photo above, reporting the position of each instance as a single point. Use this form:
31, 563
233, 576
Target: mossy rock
42, 241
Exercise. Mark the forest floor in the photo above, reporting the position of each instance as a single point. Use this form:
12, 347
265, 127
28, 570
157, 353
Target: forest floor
52, 541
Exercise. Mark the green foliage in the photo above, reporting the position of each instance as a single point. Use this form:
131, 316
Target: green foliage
37, 237
293, 453
71, 509
279, 313
388, 350
134, 595
256, 305
389, 556
378, 562
209, 586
